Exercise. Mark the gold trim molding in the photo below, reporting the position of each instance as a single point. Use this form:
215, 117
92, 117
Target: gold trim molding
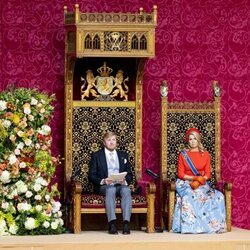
103, 104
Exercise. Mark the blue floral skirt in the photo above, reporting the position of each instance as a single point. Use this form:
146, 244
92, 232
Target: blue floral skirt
198, 211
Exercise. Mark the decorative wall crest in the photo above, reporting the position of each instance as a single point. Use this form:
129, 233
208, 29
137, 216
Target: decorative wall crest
104, 84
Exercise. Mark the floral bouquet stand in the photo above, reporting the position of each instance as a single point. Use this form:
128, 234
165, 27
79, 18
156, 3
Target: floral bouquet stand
28, 202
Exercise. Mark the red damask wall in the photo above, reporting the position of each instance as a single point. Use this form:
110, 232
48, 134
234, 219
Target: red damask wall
196, 41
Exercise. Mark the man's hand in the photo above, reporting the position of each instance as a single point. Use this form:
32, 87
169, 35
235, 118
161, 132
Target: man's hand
122, 181
108, 181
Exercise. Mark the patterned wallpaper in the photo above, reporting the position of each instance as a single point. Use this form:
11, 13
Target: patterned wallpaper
196, 41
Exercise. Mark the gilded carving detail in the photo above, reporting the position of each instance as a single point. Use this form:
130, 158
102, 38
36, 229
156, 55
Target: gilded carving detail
104, 84
116, 41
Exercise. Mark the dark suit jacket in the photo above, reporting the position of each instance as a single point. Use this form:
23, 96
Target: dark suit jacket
99, 170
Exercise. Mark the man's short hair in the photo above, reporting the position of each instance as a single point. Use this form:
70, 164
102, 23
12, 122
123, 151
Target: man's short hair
108, 134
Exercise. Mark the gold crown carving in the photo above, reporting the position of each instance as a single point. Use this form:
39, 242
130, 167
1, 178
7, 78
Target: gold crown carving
104, 70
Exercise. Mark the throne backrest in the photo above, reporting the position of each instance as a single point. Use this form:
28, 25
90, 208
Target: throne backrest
89, 125
177, 118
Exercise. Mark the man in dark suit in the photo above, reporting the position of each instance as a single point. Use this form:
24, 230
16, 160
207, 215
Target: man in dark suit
103, 163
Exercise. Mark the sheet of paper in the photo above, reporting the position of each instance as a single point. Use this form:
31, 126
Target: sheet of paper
117, 177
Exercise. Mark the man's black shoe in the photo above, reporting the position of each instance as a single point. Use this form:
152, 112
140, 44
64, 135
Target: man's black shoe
126, 229
112, 228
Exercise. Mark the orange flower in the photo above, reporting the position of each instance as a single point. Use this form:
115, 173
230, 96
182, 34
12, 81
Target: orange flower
9, 115
30, 132
3, 166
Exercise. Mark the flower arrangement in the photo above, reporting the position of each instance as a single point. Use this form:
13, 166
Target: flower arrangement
28, 202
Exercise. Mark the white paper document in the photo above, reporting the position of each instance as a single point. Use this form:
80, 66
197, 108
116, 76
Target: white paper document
117, 177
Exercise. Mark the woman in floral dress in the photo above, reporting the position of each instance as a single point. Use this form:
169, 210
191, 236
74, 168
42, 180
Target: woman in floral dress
199, 208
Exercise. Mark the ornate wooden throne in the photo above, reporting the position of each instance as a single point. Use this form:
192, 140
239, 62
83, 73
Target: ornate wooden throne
176, 118
104, 60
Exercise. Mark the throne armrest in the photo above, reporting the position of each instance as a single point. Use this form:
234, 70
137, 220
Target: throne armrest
168, 185
147, 187
224, 186
77, 187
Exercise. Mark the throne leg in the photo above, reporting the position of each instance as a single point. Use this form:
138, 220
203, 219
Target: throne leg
77, 213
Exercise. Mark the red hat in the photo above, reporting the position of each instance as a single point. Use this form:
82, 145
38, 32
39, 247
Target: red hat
192, 130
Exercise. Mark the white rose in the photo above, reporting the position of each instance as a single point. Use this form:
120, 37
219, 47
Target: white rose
47, 197
39, 180
17, 151
33, 101
5, 177
6, 123
27, 142
30, 223
24, 206
56, 206
26, 109
46, 224
28, 194
3, 105
39, 208
31, 118
42, 110
13, 228
12, 159
39, 105
54, 225
37, 146
5, 205
21, 189
20, 206
38, 197
20, 145
22, 165
44, 183
45, 130
37, 187
61, 221
59, 213
20, 133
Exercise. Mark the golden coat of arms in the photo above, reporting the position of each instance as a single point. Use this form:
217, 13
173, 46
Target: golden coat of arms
104, 84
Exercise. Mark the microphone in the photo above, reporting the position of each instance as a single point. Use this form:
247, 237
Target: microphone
151, 173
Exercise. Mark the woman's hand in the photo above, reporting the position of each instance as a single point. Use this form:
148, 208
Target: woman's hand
194, 184
200, 179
